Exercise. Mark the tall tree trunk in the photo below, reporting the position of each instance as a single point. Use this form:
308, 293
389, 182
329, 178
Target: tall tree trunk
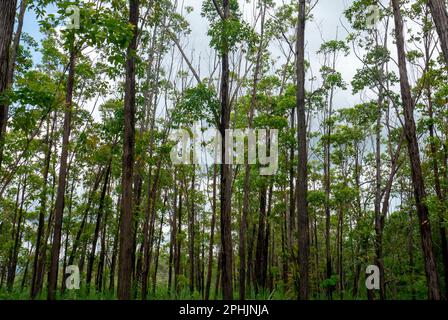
226, 172
327, 184
11, 68
97, 226
67, 231
411, 255
126, 232
191, 233
260, 261
59, 206
246, 186
435, 163
17, 241
432, 276
302, 172
212, 235
114, 251
156, 262
35, 289
99, 282
173, 237
440, 16
148, 230
8, 10
379, 218
178, 251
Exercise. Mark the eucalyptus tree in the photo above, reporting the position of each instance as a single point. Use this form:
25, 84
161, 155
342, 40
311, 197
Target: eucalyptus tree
414, 157
302, 173
226, 31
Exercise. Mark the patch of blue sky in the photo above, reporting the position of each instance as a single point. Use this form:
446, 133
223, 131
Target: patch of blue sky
32, 27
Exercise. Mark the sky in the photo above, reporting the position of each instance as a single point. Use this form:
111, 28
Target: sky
327, 23
328, 20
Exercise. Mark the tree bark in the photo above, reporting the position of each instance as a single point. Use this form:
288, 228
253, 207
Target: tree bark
126, 232
302, 172
59, 206
432, 276
212, 235
440, 16
226, 173
8, 10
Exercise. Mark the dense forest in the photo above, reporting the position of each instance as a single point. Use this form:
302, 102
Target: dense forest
91, 99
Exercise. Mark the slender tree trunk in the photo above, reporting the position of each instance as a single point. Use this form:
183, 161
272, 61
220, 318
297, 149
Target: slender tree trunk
97, 226
126, 232
212, 236
149, 231
218, 274
411, 255
440, 16
17, 242
432, 276
259, 251
59, 206
77, 240
379, 218
246, 187
327, 184
156, 262
67, 232
226, 173
25, 272
177, 256
173, 237
35, 289
101, 263
114, 252
302, 177
191, 234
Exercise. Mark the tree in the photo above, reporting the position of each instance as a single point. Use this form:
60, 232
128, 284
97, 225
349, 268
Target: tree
414, 158
226, 169
302, 172
62, 180
126, 220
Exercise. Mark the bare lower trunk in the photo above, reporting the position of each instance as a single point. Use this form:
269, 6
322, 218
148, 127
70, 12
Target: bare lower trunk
212, 235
